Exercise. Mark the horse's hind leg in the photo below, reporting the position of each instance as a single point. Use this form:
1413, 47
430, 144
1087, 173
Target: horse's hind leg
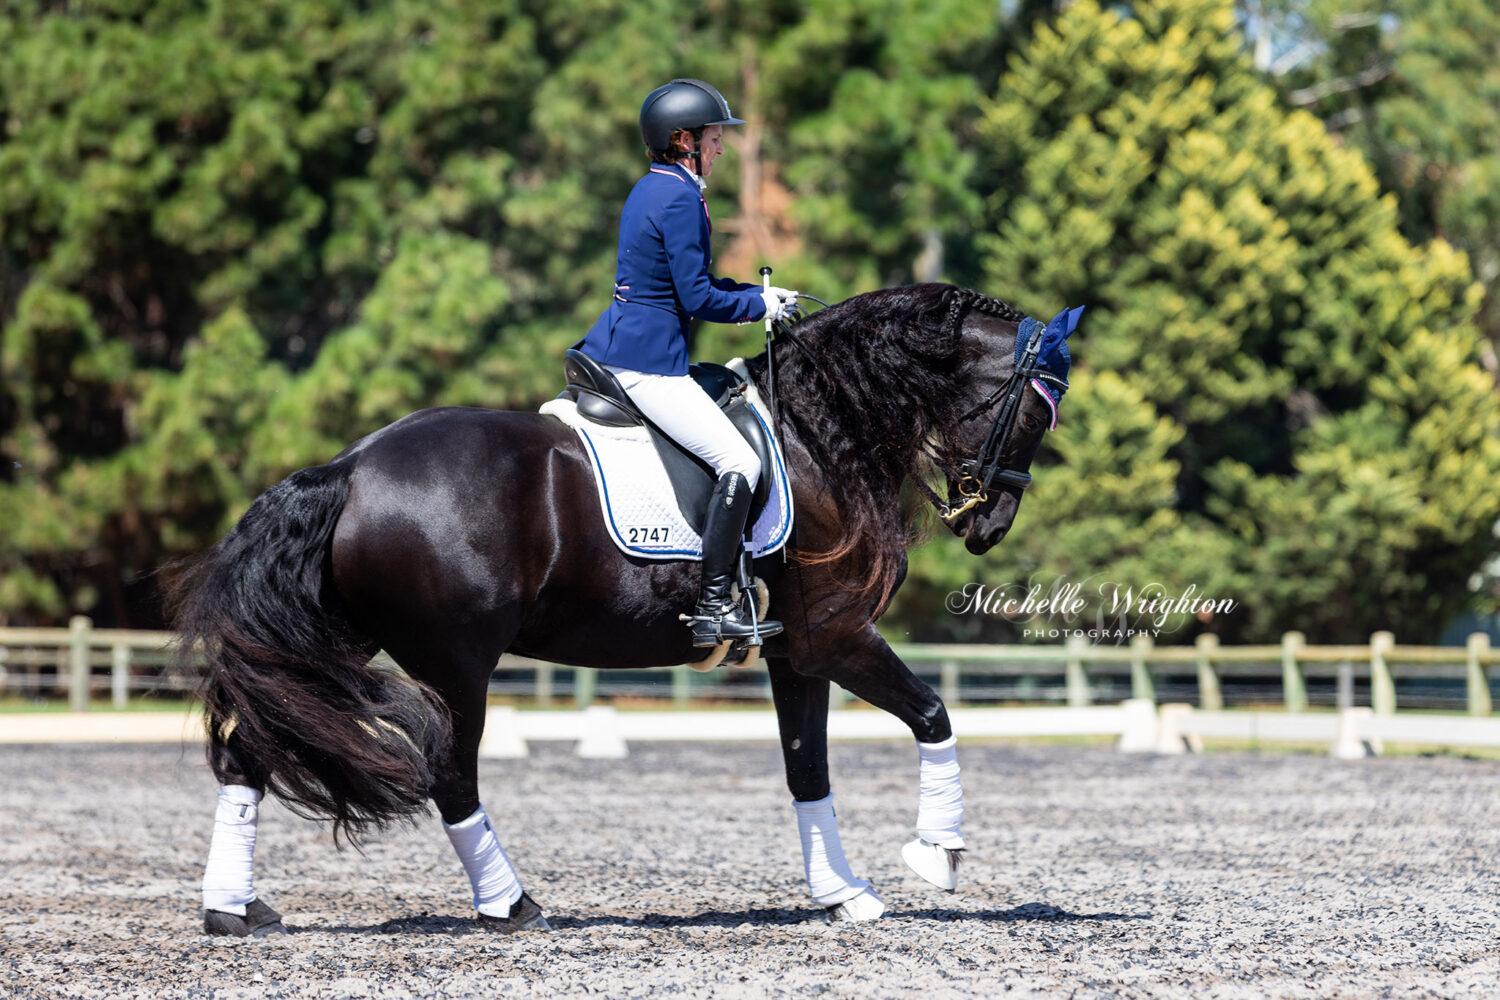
802, 715
230, 906
499, 901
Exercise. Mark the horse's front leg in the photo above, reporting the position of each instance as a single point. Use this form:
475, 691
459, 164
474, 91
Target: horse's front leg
870, 670
802, 715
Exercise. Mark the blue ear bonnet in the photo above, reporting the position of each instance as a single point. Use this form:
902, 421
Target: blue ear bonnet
1053, 357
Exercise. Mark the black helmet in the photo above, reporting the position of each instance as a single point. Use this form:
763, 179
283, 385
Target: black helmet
685, 104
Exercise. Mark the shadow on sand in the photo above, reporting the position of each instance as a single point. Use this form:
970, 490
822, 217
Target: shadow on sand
427, 923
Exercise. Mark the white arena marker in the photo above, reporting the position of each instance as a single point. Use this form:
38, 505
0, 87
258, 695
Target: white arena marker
502, 734
1140, 726
1170, 739
601, 736
1348, 745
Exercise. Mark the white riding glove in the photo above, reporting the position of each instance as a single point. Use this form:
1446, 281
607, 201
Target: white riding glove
779, 302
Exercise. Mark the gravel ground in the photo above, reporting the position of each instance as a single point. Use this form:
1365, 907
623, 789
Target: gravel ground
1091, 874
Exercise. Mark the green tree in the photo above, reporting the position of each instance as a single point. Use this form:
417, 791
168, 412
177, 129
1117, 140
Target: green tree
234, 237
1415, 85
1316, 429
878, 102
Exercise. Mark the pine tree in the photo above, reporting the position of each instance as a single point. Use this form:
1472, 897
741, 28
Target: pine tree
1322, 434
234, 238
1415, 85
403, 204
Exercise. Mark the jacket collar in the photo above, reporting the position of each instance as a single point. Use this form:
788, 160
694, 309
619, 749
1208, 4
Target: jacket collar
681, 173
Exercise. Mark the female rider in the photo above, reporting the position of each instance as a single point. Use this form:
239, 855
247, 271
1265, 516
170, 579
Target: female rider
662, 283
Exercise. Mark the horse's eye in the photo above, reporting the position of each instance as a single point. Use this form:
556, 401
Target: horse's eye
1030, 421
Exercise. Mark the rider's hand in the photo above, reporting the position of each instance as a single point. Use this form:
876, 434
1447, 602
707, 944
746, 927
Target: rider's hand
780, 302
776, 306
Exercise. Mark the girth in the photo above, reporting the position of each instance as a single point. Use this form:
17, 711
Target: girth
601, 399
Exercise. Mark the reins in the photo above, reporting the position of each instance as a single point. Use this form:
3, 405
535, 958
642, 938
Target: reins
779, 329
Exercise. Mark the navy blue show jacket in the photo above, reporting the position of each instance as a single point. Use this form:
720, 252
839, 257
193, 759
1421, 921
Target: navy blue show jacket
662, 281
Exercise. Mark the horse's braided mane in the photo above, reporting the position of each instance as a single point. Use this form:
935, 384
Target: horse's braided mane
880, 378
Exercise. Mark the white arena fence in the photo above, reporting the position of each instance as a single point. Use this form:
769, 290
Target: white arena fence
602, 731
82, 661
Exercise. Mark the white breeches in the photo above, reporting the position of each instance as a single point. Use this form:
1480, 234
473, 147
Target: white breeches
684, 412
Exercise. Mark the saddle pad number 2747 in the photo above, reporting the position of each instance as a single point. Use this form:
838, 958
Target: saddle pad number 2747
647, 534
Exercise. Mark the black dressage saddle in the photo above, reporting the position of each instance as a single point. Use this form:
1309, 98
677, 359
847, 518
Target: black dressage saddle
602, 400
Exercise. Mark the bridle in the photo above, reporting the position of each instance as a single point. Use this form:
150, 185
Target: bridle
976, 476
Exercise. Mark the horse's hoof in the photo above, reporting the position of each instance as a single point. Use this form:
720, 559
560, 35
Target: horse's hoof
525, 915
938, 865
866, 906
259, 921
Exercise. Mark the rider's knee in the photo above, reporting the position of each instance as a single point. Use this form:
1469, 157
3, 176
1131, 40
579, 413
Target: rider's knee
746, 464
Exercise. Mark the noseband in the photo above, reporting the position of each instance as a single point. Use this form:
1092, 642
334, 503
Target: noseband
978, 475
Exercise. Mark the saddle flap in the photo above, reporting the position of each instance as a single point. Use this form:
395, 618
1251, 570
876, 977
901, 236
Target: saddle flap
602, 409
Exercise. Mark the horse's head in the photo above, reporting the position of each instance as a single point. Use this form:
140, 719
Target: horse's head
1017, 374
882, 389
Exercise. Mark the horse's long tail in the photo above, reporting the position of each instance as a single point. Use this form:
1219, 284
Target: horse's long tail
290, 692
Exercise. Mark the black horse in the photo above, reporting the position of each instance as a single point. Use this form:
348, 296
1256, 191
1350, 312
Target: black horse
455, 535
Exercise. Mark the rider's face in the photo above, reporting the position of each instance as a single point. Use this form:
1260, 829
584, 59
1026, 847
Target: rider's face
711, 147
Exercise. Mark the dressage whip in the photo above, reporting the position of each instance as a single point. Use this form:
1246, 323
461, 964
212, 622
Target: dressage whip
765, 283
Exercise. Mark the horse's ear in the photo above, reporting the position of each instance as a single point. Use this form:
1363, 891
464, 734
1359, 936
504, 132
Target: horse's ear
1053, 354
1064, 323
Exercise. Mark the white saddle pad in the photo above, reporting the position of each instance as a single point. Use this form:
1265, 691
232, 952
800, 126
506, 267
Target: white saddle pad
636, 498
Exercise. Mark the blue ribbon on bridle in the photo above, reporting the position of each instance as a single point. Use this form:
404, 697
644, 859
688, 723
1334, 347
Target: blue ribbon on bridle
1052, 357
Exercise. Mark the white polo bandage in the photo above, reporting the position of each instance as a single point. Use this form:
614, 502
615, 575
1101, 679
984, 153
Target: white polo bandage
940, 807
496, 885
828, 876
228, 878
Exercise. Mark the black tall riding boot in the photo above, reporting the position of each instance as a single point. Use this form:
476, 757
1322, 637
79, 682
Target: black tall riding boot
717, 617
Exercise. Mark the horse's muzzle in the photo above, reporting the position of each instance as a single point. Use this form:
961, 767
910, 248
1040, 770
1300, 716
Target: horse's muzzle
981, 541
986, 526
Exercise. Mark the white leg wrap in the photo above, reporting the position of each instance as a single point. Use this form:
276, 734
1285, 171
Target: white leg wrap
828, 876
940, 808
228, 876
496, 886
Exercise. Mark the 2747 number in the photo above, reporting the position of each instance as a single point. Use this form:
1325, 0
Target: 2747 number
638, 535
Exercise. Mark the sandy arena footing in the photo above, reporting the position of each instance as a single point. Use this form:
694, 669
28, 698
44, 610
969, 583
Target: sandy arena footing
677, 872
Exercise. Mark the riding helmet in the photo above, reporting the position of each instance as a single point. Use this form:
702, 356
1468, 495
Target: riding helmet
682, 104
